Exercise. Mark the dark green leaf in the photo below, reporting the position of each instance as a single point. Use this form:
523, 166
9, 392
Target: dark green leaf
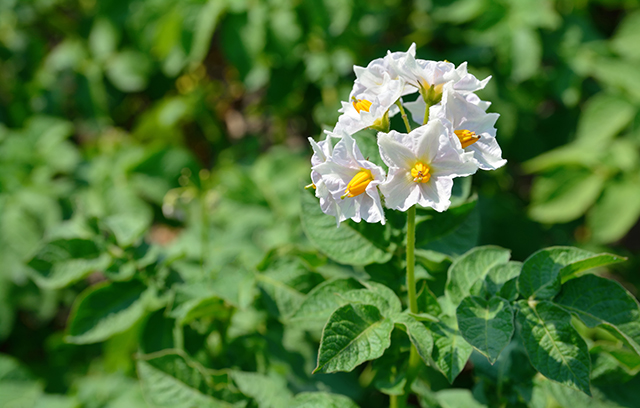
451, 350
418, 334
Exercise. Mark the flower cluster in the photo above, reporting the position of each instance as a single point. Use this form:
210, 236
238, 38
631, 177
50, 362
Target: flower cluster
455, 136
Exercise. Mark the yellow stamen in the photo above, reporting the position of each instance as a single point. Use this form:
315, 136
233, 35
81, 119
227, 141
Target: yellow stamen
313, 186
420, 172
358, 183
467, 137
361, 105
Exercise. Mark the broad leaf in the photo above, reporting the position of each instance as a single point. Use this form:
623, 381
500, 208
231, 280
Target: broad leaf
64, 261
321, 400
418, 334
354, 334
543, 272
378, 295
347, 244
451, 351
267, 391
173, 381
321, 302
501, 280
107, 309
554, 347
471, 268
598, 301
615, 212
431, 225
486, 324
457, 398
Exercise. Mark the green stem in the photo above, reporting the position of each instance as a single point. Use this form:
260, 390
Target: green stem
411, 244
405, 119
393, 401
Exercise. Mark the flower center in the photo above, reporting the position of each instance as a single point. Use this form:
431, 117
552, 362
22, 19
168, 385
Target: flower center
467, 137
420, 172
361, 105
358, 183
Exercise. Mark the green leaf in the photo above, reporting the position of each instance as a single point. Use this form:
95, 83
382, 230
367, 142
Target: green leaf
107, 309
173, 381
543, 272
472, 267
267, 391
461, 239
602, 118
451, 351
627, 36
428, 302
554, 347
127, 227
501, 280
348, 244
354, 334
323, 300
64, 261
564, 194
378, 295
598, 301
129, 70
457, 398
432, 225
615, 212
486, 324
321, 400
418, 334
527, 53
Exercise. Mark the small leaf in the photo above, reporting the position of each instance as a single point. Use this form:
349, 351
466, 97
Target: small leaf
451, 350
543, 272
378, 295
428, 302
486, 325
418, 334
268, 392
107, 309
501, 280
354, 334
346, 244
323, 300
554, 347
598, 301
173, 381
321, 400
64, 261
471, 268
127, 227
615, 212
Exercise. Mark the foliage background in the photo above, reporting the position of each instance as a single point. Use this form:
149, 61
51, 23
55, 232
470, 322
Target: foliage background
164, 143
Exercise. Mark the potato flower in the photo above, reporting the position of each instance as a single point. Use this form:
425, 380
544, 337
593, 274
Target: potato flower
350, 181
321, 152
422, 166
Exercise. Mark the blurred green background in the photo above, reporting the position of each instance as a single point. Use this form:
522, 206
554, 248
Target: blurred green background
183, 125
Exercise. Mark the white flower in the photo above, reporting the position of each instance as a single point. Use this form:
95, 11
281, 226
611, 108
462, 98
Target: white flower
473, 127
321, 152
370, 110
351, 182
422, 165
370, 80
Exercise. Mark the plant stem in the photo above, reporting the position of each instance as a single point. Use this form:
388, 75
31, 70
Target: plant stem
404, 116
411, 244
393, 401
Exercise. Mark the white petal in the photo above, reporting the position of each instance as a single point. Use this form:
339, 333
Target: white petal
436, 193
394, 152
400, 191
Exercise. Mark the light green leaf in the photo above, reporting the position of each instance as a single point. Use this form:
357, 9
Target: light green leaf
543, 272
486, 324
627, 37
501, 280
267, 391
527, 53
564, 194
128, 227
616, 212
107, 309
598, 301
472, 267
451, 350
554, 347
321, 400
129, 70
173, 381
378, 295
350, 243
205, 26
64, 261
602, 118
457, 398
418, 334
354, 334
321, 302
